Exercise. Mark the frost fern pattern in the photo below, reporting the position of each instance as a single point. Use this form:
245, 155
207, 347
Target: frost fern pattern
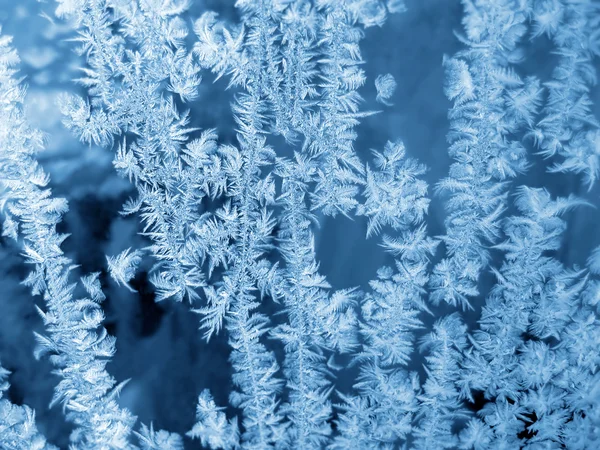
475, 328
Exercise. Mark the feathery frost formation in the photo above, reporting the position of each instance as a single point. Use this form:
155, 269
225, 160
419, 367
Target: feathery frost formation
78, 344
232, 224
491, 105
567, 127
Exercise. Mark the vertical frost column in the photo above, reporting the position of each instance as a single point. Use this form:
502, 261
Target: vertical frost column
172, 181
79, 345
306, 296
568, 128
491, 105
247, 214
380, 414
330, 133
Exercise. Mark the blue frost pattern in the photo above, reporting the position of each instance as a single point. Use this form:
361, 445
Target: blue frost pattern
478, 330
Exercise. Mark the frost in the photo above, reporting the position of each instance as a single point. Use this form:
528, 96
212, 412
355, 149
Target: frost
230, 221
123, 266
386, 86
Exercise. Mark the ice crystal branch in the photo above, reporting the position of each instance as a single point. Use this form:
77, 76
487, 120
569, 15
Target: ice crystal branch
158, 440
285, 79
212, 427
568, 128
381, 415
78, 344
491, 104
250, 201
